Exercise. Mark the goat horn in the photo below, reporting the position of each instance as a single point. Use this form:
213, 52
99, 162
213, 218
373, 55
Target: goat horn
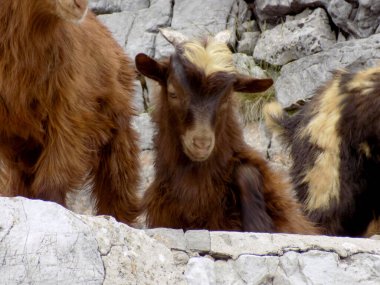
223, 36
172, 36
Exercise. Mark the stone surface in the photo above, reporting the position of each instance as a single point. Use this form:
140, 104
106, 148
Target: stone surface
112, 6
359, 18
299, 79
246, 65
198, 240
43, 243
199, 18
145, 128
248, 42
295, 39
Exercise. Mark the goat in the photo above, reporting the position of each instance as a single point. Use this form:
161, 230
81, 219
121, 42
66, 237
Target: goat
207, 177
65, 106
334, 141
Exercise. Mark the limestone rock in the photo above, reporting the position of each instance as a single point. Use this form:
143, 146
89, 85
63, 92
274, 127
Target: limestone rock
119, 24
248, 42
300, 79
295, 39
145, 128
246, 65
112, 6
359, 18
199, 17
43, 243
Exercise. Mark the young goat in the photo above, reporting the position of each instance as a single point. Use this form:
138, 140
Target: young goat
65, 106
206, 176
335, 145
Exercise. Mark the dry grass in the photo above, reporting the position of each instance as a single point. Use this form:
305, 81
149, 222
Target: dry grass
251, 104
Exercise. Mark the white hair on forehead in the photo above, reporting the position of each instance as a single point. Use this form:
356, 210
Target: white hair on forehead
211, 55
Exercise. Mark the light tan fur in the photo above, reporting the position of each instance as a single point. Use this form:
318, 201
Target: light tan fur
365, 149
272, 111
213, 57
322, 130
373, 228
363, 81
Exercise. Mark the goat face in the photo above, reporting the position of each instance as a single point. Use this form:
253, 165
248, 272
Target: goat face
197, 95
197, 103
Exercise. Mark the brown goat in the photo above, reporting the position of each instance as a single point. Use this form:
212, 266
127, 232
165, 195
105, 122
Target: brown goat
65, 106
206, 175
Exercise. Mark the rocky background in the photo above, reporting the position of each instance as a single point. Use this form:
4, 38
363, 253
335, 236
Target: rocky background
298, 43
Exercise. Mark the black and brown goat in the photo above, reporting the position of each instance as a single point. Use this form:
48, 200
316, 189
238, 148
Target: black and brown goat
65, 106
335, 145
206, 175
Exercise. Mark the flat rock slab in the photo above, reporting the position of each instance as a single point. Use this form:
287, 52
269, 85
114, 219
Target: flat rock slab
43, 243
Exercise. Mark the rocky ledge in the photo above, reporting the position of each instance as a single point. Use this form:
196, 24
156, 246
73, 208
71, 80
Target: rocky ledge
43, 243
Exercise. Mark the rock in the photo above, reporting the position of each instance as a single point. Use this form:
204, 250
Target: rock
139, 98
43, 243
248, 42
272, 11
198, 18
172, 238
358, 18
145, 128
361, 21
246, 65
226, 274
119, 24
248, 26
142, 37
299, 79
295, 39
112, 6
198, 240
200, 270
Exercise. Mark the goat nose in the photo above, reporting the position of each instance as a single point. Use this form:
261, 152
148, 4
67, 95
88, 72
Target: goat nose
202, 142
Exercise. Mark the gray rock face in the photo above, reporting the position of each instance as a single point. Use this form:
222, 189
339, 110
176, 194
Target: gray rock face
119, 24
300, 79
246, 65
295, 39
248, 42
199, 17
145, 127
112, 6
358, 18
43, 243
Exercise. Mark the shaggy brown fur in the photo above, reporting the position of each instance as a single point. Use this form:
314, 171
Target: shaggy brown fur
335, 144
206, 175
65, 106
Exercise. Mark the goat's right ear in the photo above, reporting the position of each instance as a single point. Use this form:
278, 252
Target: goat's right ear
151, 68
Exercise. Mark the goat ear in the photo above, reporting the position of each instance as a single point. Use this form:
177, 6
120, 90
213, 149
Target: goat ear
251, 84
173, 37
223, 36
151, 68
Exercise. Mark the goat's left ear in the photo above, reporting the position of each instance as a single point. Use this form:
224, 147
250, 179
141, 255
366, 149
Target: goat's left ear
151, 68
251, 84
